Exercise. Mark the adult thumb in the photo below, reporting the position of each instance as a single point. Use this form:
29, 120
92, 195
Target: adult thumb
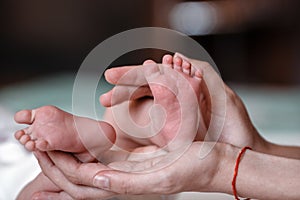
129, 183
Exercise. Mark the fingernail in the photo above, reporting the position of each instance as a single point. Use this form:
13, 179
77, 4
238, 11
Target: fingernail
101, 182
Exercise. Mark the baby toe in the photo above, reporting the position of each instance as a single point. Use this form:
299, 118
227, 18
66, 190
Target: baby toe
186, 67
147, 62
42, 145
24, 139
167, 60
19, 134
24, 117
30, 145
177, 63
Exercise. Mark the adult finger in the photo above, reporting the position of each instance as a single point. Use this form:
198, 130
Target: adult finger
120, 93
75, 190
158, 175
52, 195
132, 183
73, 170
155, 175
40, 183
113, 75
133, 75
131, 82
130, 75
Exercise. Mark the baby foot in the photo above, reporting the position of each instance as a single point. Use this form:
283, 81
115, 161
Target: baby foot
185, 68
175, 87
53, 129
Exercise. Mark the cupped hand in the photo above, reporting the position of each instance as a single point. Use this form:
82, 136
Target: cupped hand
155, 174
223, 111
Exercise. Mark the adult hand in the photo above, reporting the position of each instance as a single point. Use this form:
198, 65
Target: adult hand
238, 128
40, 183
71, 186
171, 119
224, 113
158, 174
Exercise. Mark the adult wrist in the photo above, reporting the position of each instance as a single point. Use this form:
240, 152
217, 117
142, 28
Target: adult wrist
223, 171
222, 179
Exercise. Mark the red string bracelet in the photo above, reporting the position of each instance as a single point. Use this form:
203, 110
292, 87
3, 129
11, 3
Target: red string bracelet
237, 163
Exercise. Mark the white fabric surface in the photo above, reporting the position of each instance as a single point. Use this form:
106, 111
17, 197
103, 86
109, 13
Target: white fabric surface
17, 166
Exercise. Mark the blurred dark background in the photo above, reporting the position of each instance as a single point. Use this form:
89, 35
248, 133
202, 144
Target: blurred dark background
252, 42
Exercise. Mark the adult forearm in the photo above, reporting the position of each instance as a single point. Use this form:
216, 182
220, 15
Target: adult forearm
260, 176
282, 150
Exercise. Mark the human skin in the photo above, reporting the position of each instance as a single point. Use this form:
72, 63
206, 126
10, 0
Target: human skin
237, 130
39, 183
236, 102
181, 77
170, 119
50, 128
260, 176
43, 188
